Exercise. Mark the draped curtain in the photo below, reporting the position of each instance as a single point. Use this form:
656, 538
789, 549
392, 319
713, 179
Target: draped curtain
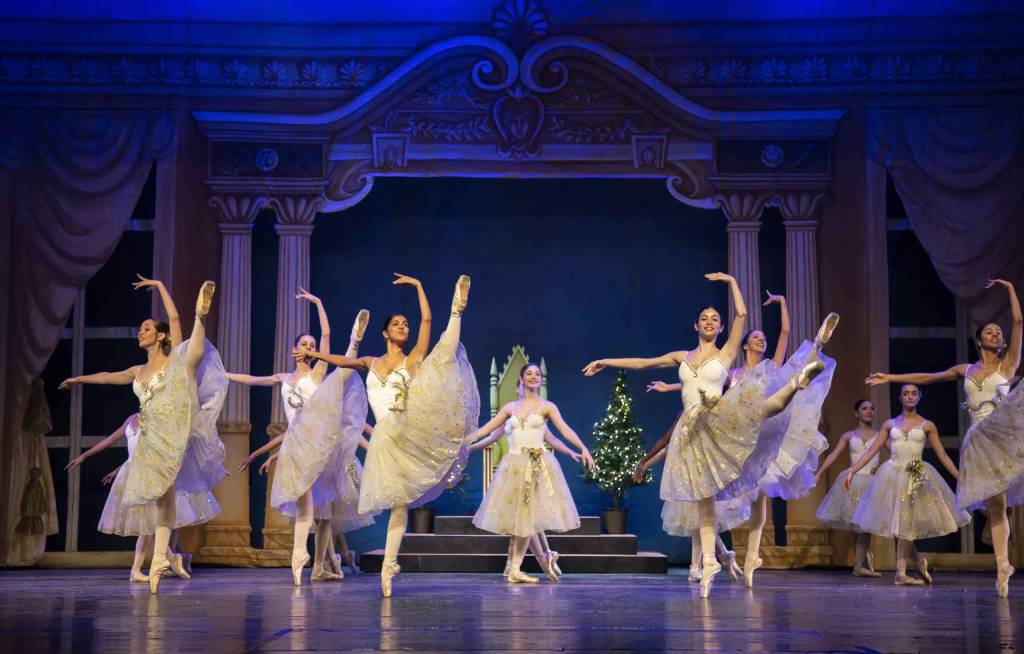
73, 180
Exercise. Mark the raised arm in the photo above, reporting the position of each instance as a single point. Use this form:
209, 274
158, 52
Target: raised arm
840, 447
568, 434
780, 347
876, 445
251, 380
736, 331
271, 444
102, 445
419, 351
668, 360
950, 374
172, 312
120, 378
932, 432
320, 369
1012, 359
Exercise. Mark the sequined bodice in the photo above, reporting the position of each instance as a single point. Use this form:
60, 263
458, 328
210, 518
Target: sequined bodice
905, 447
389, 393
709, 377
528, 434
145, 392
981, 397
858, 448
295, 395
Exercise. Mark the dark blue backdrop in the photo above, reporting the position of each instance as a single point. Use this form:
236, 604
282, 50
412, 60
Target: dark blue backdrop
571, 269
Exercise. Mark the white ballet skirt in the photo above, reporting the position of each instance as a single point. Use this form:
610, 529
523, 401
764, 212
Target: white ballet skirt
528, 493
683, 518
837, 508
992, 453
715, 450
178, 441
344, 513
907, 498
791, 475
416, 450
120, 519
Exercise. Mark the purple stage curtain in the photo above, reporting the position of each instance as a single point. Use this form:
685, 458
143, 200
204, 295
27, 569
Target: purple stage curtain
70, 182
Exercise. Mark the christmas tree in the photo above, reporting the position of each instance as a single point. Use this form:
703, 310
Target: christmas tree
618, 446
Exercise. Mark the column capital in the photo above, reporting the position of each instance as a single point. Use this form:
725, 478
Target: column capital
296, 209
800, 206
236, 209
741, 206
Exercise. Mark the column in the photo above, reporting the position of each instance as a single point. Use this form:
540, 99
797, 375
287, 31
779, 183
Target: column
227, 537
743, 211
295, 216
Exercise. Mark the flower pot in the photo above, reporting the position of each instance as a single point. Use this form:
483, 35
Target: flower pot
614, 521
421, 520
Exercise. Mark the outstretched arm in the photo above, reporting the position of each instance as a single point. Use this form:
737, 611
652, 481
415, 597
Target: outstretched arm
663, 387
320, 369
652, 454
876, 445
783, 342
668, 360
950, 374
271, 444
362, 363
497, 421
102, 445
840, 447
932, 432
558, 446
120, 378
568, 434
492, 438
251, 380
732, 346
172, 312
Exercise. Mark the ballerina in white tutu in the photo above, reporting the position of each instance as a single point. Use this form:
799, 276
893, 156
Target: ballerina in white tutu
424, 406
716, 452
992, 453
181, 390
837, 508
309, 474
528, 493
907, 499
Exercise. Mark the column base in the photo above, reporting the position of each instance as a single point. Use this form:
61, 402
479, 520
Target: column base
277, 548
227, 545
806, 546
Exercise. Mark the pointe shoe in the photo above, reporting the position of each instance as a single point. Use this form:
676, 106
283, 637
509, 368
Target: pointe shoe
519, 577
137, 577
359, 326
388, 572
729, 561
707, 577
549, 567
205, 298
904, 580
861, 571
155, 573
350, 560
321, 573
298, 563
749, 568
178, 566
508, 570
922, 568
553, 555
807, 374
694, 575
1003, 580
827, 327
461, 294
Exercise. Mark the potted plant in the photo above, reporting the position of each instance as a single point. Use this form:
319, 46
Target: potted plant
421, 519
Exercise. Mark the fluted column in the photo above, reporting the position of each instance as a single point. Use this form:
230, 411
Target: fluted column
743, 211
295, 216
227, 537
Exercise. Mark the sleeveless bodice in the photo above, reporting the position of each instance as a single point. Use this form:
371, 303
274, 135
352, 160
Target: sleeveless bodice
131, 435
528, 434
858, 447
389, 393
982, 398
709, 378
295, 395
145, 392
905, 447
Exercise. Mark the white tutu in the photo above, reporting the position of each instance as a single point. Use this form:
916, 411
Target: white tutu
992, 455
416, 452
683, 518
791, 475
909, 501
178, 441
120, 519
837, 509
715, 449
528, 494
344, 512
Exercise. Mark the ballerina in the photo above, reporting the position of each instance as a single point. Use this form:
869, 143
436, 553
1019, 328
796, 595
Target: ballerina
528, 493
181, 391
120, 520
907, 499
424, 406
837, 508
992, 453
715, 453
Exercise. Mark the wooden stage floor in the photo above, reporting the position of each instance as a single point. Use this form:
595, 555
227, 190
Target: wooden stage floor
258, 610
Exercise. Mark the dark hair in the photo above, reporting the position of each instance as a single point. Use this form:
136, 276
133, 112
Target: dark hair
388, 319
529, 364
746, 337
697, 319
163, 328
1001, 352
856, 405
920, 393
299, 338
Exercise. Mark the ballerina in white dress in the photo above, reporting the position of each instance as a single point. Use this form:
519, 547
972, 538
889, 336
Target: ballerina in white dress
837, 508
992, 453
424, 406
907, 499
716, 452
528, 493
181, 390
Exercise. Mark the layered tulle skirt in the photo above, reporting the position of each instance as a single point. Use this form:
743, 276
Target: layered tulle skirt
715, 449
992, 455
683, 518
837, 508
527, 494
120, 519
344, 511
416, 452
908, 501
178, 440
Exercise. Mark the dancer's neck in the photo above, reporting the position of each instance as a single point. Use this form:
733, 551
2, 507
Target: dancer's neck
754, 358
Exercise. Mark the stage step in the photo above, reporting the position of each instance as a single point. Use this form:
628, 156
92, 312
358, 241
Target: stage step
485, 543
463, 525
640, 563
